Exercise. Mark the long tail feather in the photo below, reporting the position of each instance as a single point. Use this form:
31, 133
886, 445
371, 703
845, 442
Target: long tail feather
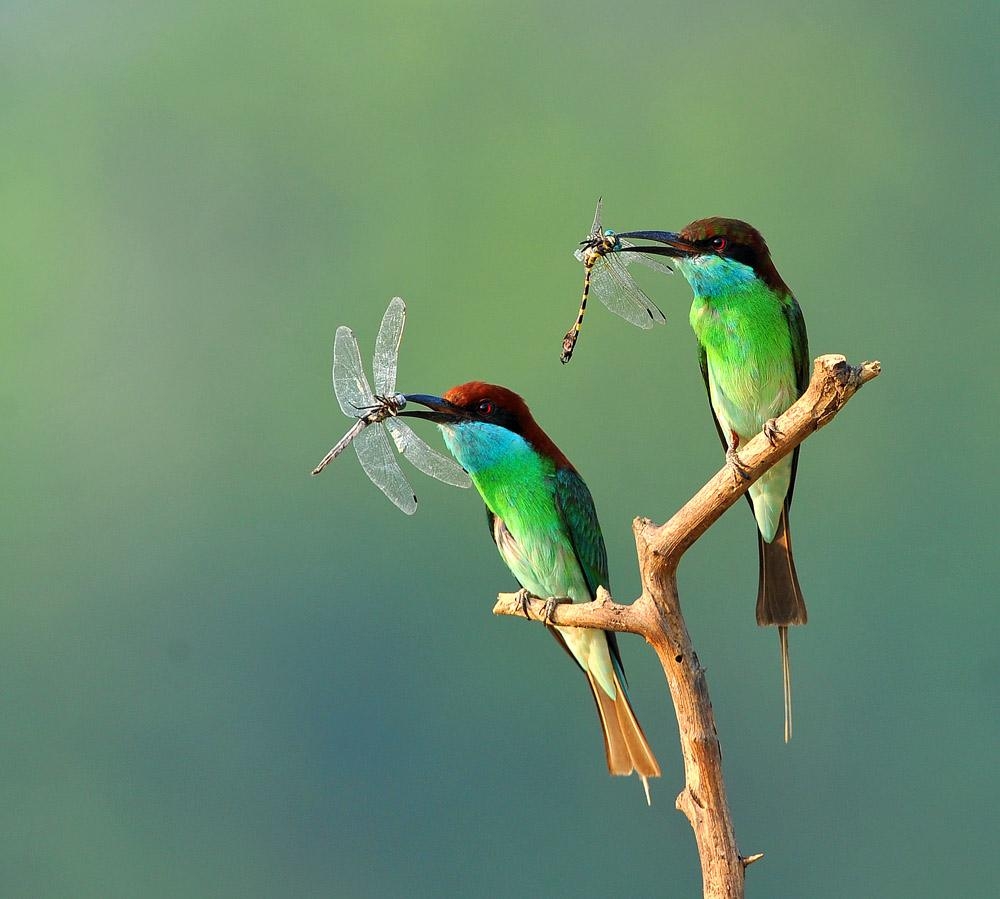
780, 601
786, 680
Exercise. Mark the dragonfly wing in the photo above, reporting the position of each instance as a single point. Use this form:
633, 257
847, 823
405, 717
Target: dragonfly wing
379, 462
429, 461
595, 229
615, 288
645, 259
349, 381
387, 347
619, 267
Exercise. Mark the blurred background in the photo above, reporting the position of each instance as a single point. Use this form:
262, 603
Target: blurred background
221, 677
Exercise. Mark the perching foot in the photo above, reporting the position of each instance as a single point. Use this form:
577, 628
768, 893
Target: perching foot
550, 607
772, 432
521, 602
740, 472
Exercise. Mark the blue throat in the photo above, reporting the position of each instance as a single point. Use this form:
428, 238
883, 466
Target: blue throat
712, 276
478, 446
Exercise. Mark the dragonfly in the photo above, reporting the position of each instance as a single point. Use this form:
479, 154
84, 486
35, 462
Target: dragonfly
606, 271
375, 412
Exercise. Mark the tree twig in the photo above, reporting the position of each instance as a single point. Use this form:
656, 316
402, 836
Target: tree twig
656, 615
603, 612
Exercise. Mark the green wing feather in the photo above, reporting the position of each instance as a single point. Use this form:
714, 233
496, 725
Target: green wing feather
576, 508
800, 358
579, 517
800, 342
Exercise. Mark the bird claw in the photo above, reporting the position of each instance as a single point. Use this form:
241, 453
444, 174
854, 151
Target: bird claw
772, 432
549, 608
521, 602
740, 472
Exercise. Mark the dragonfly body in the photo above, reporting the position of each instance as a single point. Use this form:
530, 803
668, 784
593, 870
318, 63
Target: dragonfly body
542, 518
385, 407
606, 272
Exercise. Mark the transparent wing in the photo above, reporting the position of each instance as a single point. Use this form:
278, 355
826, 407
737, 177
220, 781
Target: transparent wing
387, 347
615, 287
595, 229
423, 457
353, 391
379, 462
644, 259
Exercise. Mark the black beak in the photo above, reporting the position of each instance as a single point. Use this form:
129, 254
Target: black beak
442, 412
676, 246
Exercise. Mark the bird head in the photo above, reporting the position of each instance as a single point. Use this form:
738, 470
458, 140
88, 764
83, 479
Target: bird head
484, 422
715, 254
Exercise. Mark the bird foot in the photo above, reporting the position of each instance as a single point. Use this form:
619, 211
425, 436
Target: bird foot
550, 607
521, 602
772, 432
740, 472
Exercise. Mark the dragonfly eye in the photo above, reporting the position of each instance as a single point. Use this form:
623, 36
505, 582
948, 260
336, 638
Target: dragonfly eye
719, 244
485, 407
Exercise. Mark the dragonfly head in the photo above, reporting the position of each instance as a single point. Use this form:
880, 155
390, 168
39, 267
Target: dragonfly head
593, 248
385, 406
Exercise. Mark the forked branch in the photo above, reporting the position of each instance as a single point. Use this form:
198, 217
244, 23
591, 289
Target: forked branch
656, 614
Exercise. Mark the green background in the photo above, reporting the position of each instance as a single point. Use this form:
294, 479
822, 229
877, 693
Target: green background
222, 677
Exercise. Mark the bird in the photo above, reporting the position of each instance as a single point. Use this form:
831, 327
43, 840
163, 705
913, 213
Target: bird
754, 357
542, 518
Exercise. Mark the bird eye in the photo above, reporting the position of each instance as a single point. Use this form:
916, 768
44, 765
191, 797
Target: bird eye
485, 407
719, 243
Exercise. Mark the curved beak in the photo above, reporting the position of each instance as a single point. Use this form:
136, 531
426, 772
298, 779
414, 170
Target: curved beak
675, 245
441, 411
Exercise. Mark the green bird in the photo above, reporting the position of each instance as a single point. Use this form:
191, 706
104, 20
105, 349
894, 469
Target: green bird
542, 518
754, 358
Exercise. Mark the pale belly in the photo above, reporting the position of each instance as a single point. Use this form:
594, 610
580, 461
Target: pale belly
552, 570
743, 398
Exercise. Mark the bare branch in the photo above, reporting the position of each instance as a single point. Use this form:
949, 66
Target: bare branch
656, 615
603, 613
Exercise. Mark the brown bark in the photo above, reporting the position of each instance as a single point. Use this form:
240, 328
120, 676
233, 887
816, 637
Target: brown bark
656, 615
